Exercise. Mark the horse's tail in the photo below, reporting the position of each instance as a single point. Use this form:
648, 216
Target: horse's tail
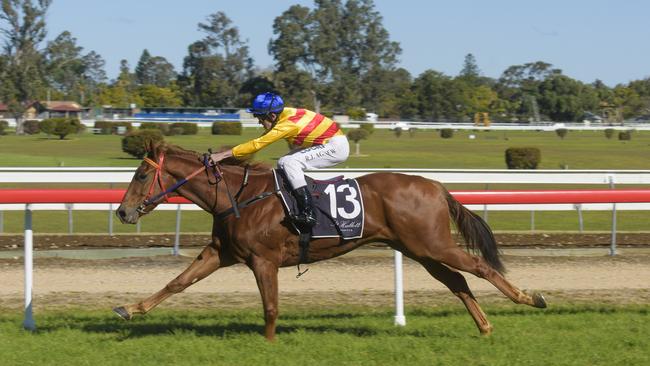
475, 231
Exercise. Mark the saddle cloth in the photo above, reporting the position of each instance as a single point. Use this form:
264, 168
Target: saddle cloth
337, 202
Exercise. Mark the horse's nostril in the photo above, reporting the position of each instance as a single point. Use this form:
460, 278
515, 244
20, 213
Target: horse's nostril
121, 213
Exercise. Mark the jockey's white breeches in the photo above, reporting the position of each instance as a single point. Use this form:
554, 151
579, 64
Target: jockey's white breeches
334, 151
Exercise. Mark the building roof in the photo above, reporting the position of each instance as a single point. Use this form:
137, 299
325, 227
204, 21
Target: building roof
61, 106
3, 107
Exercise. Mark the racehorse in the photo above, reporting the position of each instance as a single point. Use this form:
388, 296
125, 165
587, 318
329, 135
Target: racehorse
411, 214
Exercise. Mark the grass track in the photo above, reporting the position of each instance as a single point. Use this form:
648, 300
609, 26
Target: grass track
564, 335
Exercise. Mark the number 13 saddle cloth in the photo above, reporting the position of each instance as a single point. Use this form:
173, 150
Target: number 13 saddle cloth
337, 202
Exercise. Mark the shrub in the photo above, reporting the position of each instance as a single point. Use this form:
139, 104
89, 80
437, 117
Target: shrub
370, 127
398, 131
625, 135
173, 131
561, 132
609, 133
356, 113
226, 128
523, 157
61, 126
358, 134
3, 127
186, 128
135, 143
446, 133
162, 127
31, 127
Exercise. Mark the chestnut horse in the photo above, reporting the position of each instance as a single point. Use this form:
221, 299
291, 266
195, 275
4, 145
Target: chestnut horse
411, 214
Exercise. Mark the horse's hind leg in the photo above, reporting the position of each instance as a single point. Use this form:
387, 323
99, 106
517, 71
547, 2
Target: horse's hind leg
207, 262
455, 257
458, 286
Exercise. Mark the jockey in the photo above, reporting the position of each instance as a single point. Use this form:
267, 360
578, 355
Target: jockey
315, 140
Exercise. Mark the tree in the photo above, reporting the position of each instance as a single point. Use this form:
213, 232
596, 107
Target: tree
154, 70
438, 97
216, 66
519, 86
470, 71
23, 72
335, 45
294, 75
61, 126
357, 135
155, 96
94, 77
565, 99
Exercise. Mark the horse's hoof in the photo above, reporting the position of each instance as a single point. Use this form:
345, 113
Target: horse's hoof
539, 301
486, 331
122, 313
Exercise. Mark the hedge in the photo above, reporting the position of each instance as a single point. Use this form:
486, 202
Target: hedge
134, 143
446, 133
523, 157
226, 128
186, 128
61, 126
162, 127
31, 127
625, 135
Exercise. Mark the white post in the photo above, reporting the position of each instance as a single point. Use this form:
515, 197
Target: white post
580, 220
110, 219
69, 206
532, 221
612, 247
177, 240
28, 323
110, 215
400, 319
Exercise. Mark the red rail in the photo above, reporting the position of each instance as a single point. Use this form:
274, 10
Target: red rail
465, 197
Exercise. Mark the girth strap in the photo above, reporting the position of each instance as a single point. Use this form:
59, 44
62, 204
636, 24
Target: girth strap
244, 204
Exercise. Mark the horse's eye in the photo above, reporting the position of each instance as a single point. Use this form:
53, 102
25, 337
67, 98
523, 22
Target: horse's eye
142, 176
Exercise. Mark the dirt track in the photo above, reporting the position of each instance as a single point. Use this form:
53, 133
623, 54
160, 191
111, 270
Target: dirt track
363, 277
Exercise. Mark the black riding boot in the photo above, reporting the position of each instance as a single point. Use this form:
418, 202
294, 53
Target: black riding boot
306, 216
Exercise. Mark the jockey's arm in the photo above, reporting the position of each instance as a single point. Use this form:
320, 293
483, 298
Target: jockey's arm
279, 131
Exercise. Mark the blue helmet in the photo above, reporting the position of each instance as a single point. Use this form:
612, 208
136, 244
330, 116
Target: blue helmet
266, 103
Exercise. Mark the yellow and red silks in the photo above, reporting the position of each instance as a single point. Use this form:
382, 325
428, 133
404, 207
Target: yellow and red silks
301, 127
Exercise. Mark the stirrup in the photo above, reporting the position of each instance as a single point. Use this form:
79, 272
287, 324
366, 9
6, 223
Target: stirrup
302, 220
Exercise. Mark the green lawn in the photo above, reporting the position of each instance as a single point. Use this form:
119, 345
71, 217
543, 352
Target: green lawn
425, 149
565, 335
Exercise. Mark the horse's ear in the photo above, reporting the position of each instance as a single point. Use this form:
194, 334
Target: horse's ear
150, 147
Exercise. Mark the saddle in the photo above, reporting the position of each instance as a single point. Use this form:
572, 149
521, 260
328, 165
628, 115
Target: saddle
338, 206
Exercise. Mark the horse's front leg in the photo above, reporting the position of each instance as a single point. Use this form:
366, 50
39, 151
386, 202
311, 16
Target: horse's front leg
207, 262
266, 275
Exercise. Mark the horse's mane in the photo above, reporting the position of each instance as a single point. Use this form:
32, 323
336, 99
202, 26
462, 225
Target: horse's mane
179, 151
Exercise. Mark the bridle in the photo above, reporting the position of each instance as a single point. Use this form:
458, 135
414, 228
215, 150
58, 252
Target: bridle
148, 201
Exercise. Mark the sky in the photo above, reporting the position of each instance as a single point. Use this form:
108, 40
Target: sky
586, 39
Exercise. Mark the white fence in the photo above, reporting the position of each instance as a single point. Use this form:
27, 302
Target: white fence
484, 177
537, 126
